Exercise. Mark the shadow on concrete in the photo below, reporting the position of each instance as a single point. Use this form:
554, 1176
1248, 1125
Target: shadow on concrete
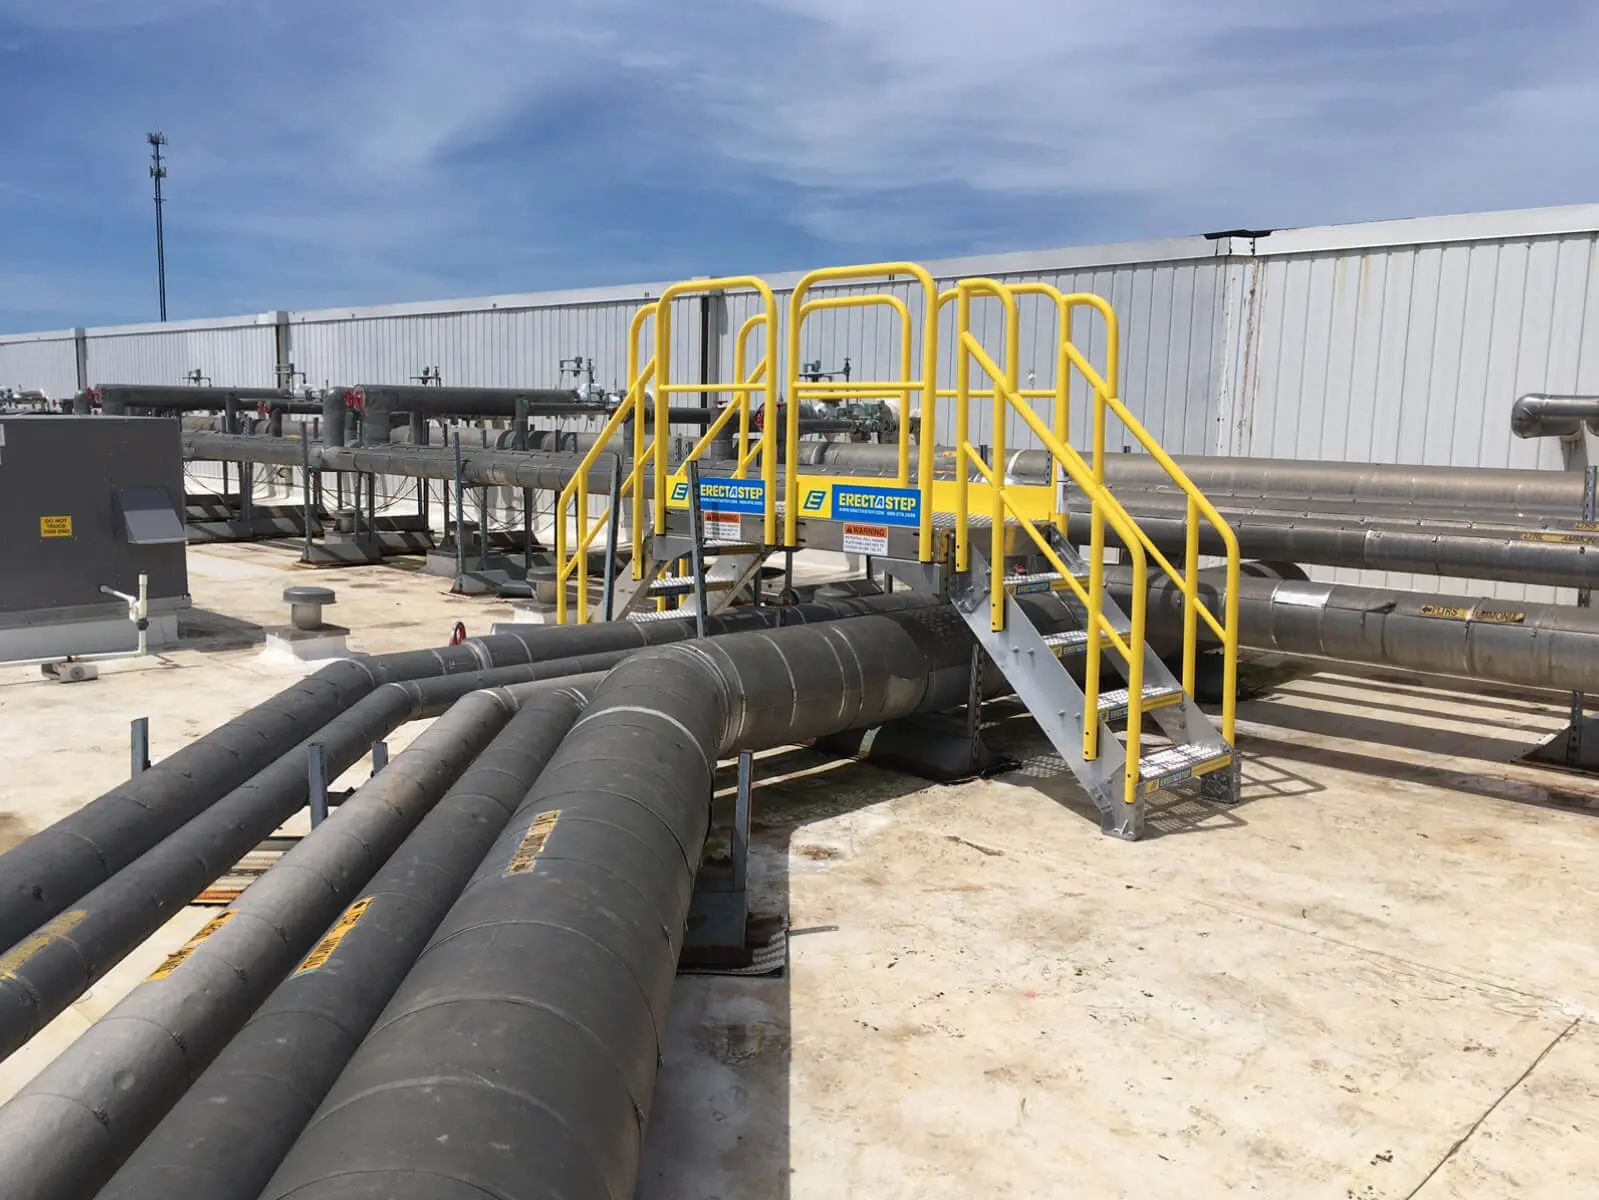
213, 632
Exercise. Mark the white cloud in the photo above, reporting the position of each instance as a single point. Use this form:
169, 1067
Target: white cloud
355, 139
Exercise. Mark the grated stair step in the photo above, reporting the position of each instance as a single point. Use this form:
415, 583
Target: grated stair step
1113, 704
1172, 765
1073, 642
1040, 581
683, 585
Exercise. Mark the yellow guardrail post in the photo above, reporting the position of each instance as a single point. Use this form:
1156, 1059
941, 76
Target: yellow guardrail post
636, 379
925, 414
832, 390
742, 399
665, 388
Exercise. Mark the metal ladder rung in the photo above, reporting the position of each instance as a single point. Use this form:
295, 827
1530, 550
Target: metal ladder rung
1113, 704
1075, 641
683, 585
1171, 765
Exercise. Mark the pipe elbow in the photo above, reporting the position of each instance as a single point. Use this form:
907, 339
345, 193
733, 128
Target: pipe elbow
1539, 415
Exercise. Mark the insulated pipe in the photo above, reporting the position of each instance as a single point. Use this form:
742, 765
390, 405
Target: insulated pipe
117, 398
1230, 481
233, 1127
86, 849
381, 404
1527, 559
1541, 490
1537, 415
518, 1057
67, 1130
1405, 547
1522, 645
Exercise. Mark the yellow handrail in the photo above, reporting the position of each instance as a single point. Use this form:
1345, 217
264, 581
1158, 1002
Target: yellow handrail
1226, 629
831, 390
1097, 624
577, 487
1061, 392
663, 367
929, 385
740, 352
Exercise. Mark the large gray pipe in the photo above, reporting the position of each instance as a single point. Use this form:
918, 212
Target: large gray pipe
233, 1127
1494, 641
58, 865
1409, 543
1529, 490
518, 1057
68, 1129
56, 964
1527, 559
1537, 415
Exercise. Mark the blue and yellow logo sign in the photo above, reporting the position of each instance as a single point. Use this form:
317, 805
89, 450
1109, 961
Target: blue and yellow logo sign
815, 502
885, 506
746, 497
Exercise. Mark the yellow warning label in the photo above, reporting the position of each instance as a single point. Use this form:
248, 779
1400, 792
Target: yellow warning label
29, 946
532, 844
1445, 612
1590, 526
341, 929
176, 959
1561, 539
55, 527
1493, 616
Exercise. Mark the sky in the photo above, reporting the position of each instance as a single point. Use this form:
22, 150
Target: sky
338, 152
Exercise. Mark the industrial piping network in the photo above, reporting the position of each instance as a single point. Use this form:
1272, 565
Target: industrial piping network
91, 1107
1513, 526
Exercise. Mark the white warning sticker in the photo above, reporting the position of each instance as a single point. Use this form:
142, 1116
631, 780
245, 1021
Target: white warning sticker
865, 539
721, 527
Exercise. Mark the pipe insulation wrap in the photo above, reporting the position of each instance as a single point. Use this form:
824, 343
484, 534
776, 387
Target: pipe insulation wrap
41, 877
68, 1129
1507, 642
518, 1057
233, 1127
46, 973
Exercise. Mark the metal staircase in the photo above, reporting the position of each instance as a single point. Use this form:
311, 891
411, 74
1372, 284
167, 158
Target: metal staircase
1080, 718
758, 505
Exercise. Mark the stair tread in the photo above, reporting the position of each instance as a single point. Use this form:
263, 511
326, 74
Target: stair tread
1156, 695
1076, 639
670, 584
1192, 758
641, 618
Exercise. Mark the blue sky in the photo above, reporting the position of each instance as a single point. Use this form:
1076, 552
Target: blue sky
330, 152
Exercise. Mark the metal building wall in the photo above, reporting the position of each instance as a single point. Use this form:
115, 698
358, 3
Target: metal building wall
239, 351
505, 341
1408, 341
1167, 296
46, 362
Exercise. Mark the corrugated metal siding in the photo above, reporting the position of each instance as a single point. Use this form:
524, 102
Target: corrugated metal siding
486, 348
1169, 315
1414, 354
45, 362
243, 356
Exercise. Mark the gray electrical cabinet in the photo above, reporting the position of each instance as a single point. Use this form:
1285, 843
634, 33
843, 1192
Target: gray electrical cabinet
88, 502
